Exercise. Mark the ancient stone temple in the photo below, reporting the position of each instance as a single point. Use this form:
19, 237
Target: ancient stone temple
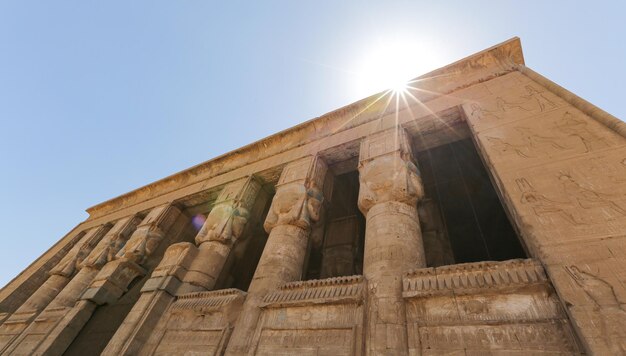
482, 211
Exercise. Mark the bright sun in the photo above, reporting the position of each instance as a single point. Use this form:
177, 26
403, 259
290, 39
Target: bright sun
390, 65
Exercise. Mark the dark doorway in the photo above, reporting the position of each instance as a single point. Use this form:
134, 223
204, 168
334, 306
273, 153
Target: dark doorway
476, 224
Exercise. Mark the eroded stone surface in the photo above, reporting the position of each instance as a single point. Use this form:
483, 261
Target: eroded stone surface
558, 166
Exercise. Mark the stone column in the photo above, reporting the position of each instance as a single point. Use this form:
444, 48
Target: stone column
113, 279
185, 268
60, 275
294, 209
222, 228
390, 188
46, 330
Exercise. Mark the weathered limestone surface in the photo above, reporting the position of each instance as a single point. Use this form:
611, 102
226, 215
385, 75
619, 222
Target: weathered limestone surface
294, 208
562, 174
47, 327
388, 195
478, 308
557, 163
186, 268
60, 275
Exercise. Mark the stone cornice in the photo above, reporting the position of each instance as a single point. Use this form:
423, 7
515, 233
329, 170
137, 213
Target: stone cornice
210, 300
471, 278
337, 290
476, 68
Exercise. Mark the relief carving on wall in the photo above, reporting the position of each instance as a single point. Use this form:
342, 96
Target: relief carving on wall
569, 134
507, 306
533, 101
575, 205
611, 310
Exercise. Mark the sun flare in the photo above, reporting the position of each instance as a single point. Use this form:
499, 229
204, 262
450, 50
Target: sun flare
391, 65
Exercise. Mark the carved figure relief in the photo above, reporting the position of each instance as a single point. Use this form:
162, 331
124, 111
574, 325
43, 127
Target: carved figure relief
539, 98
613, 315
534, 101
589, 198
478, 112
544, 207
569, 125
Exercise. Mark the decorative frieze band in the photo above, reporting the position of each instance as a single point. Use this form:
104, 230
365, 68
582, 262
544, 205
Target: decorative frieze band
337, 289
469, 278
211, 300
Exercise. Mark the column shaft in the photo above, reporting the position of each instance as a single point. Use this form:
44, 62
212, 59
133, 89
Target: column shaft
389, 190
60, 275
295, 207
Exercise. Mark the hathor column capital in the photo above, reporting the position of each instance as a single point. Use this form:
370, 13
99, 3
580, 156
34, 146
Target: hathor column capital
387, 170
390, 187
230, 212
222, 228
299, 194
295, 207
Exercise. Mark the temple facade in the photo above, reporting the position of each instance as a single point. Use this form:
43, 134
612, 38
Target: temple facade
481, 211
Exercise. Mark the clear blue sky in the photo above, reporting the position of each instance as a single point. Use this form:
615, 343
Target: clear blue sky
100, 97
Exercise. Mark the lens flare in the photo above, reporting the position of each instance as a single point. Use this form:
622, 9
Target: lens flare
197, 221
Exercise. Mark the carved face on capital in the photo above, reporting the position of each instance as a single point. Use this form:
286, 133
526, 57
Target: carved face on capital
389, 178
225, 223
142, 244
294, 204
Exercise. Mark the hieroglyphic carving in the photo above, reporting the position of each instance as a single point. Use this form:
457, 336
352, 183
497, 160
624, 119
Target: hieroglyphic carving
611, 310
570, 134
230, 212
337, 341
514, 338
528, 144
577, 127
299, 195
544, 207
533, 101
198, 322
572, 203
507, 306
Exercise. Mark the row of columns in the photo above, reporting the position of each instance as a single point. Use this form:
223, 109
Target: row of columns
390, 188
97, 270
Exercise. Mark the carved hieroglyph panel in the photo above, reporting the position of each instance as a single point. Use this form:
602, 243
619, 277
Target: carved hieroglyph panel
519, 99
559, 134
482, 307
513, 338
190, 342
197, 323
306, 342
318, 317
579, 199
